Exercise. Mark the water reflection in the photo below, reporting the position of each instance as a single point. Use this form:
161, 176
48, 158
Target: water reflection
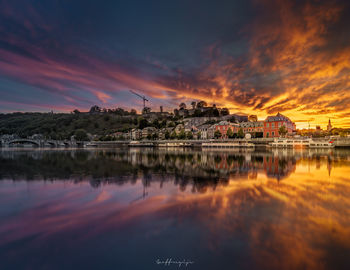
205, 168
125, 208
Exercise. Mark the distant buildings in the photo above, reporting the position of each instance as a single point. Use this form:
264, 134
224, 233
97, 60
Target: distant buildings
200, 109
204, 122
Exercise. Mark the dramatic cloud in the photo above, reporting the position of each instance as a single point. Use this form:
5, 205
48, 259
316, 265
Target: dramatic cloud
261, 57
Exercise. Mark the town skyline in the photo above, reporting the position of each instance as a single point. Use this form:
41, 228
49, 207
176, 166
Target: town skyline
256, 57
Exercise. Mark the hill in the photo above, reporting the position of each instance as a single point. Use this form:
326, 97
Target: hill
64, 125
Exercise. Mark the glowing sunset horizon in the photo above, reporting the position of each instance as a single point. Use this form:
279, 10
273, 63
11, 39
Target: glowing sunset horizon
256, 57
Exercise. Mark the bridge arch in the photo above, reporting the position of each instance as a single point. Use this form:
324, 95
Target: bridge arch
51, 143
23, 141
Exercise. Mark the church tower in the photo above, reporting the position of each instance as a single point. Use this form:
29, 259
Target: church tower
329, 126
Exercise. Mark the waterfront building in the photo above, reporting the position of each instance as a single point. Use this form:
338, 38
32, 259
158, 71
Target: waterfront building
254, 128
224, 126
211, 132
148, 131
273, 123
203, 129
136, 134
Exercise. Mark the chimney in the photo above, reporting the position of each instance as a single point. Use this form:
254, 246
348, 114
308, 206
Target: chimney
161, 109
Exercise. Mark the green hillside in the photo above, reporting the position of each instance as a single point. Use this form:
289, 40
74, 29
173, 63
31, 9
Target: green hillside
64, 125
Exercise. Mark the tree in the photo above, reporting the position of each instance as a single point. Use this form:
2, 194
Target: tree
154, 136
156, 123
197, 112
240, 133
216, 112
173, 135
201, 104
146, 110
167, 135
95, 109
259, 134
81, 135
193, 104
225, 111
143, 123
229, 133
199, 135
182, 106
76, 111
120, 111
171, 124
162, 124
182, 135
189, 135
217, 134
282, 130
133, 112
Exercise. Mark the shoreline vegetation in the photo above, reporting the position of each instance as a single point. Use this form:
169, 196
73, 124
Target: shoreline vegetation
101, 124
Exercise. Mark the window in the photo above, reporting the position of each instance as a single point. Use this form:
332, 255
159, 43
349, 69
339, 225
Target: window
267, 134
273, 133
273, 125
279, 124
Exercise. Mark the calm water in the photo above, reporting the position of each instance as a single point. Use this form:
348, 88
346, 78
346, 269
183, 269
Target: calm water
126, 209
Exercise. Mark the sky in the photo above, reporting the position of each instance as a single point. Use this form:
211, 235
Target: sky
253, 56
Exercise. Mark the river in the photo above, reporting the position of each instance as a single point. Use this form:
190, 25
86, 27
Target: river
171, 209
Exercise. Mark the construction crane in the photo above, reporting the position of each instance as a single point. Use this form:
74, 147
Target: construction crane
143, 98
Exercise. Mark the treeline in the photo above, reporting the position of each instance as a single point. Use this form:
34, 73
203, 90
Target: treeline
62, 126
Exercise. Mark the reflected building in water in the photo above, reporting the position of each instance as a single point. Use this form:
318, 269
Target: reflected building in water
201, 169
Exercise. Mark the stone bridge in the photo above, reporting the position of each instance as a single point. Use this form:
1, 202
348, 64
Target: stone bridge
41, 143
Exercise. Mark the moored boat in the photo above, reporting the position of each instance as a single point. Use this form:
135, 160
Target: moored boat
91, 145
175, 144
321, 144
140, 144
227, 145
301, 143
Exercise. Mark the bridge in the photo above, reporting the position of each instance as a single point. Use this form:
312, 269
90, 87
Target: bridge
41, 143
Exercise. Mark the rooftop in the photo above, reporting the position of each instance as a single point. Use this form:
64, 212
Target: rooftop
277, 117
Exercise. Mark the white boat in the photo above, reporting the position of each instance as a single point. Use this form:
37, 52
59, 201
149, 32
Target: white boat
290, 142
91, 145
174, 144
321, 144
227, 145
301, 143
140, 144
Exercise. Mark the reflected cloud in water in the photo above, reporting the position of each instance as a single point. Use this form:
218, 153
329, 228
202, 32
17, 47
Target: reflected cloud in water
243, 210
